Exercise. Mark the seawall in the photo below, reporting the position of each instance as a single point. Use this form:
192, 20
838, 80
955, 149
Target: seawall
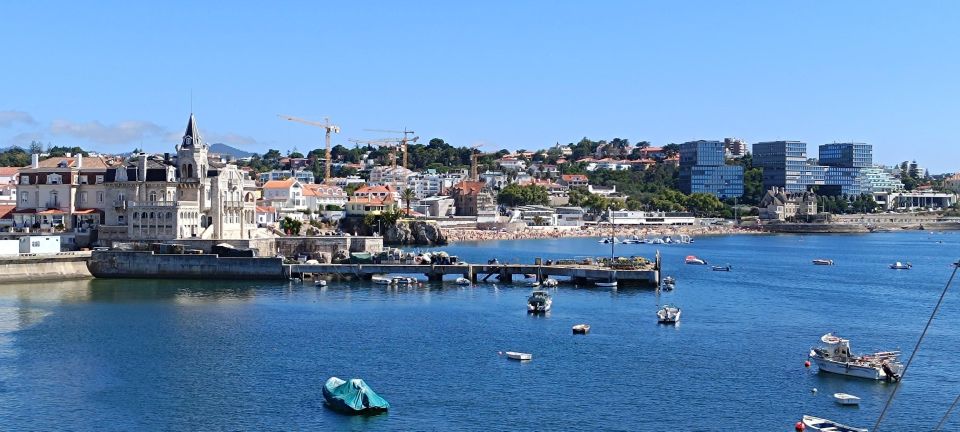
36, 267
122, 264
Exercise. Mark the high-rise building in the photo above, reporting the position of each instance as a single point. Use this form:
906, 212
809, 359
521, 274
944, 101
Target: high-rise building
785, 165
735, 147
703, 170
846, 155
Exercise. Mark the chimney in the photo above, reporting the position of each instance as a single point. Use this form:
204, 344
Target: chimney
166, 158
142, 167
79, 160
35, 161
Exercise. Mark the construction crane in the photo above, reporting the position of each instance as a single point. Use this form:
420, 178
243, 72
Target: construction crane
403, 141
326, 126
383, 142
474, 155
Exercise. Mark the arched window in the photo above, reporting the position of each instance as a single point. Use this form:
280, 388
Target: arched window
151, 215
153, 196
143, 215
136, 215
170, 215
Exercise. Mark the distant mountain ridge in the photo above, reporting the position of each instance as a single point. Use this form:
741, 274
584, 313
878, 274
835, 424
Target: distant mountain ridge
227, 150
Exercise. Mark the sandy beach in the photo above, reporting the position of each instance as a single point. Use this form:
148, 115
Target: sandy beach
458, 235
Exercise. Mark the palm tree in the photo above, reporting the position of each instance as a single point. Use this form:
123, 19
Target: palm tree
408, 195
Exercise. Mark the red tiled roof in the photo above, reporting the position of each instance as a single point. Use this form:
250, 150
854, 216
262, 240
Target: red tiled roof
267, 209
573, 177
9, 171
279, 184
6, 211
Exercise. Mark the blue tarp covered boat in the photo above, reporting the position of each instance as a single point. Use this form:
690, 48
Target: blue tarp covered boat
353, 397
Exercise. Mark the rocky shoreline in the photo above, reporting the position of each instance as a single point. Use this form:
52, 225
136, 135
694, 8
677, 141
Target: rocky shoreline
466, 235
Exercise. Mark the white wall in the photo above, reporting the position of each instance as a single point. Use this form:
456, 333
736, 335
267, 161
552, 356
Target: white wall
40, 244
9, 247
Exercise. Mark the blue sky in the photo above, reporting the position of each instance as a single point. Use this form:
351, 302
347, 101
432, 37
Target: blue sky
507, 74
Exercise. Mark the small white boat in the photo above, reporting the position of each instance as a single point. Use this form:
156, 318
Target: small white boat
550, 282
725, 268
835, 357
581, 329
380, 280
320, 282
463, 281
533, 284
823, 425
821, 261
692, 259
513, 355
606, 284
901, 266
846, 399
668, 314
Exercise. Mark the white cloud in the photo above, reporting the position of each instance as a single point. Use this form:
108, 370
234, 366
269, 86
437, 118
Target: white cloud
8, 118
125, 132
230, 139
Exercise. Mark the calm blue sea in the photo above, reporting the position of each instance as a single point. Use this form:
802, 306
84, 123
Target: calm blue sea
214, 355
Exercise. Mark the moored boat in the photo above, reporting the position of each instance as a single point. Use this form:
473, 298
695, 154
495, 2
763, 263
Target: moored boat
539, 302
606, 284
846, 399
352, 397
513, 355
463, 281
901, 266
820, 261
725, 268
668, 283
581, 329
835, 357
380, 280
823, 425
692, 259
550, 282
668, 314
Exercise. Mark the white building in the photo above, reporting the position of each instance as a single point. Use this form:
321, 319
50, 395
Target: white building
430, 183
303, 176
625, 217
40, 244
395, 176
877, 180
319, 196
570, 216
286, 196
493, 179
512, 163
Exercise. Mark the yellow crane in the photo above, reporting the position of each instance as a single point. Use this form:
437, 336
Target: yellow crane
329, 128
383, 142
402, 141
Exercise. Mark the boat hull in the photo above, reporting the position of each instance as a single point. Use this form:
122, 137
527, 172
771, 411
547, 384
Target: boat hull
839, 368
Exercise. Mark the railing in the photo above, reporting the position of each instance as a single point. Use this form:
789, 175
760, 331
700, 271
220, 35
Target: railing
121, 204
153, 204
53, 204
233, 204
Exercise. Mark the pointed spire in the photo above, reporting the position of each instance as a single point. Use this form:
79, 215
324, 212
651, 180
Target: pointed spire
191, 137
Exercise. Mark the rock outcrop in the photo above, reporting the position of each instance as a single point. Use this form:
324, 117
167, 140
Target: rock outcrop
403, 232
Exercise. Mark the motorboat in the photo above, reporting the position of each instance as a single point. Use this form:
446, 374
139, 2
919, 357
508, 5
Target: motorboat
823, 425
820, 261
463, 281
846, 399
380, 280
581, 329
608, 240
320, 282
834, 356
533, 284
668, 283
901, 266
606, 284
513, 355
352, 397
669, 280
403, 280
658, 241
539, 302
668, 314
725, 268
550, 282
692, 259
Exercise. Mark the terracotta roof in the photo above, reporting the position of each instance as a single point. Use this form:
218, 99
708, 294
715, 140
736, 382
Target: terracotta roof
89, 162
9, 171
375, 189
573, 177
651, 150
469, 187
279, 184
267, 209
6, 211
371, 200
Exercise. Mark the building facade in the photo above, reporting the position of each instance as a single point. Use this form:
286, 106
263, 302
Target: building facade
785, 165
703, 169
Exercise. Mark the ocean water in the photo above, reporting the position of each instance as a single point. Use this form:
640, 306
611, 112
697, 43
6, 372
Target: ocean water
214, 355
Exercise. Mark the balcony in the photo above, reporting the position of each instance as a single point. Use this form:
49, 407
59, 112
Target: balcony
133, 204
53, 204
120, 204
232, 204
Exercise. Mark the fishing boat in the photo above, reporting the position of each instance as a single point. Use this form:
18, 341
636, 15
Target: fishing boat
380, 280
821, 261
606, 284
320, 282
353, 397
533, 284
513, 355
463, 281
835, 357
581, 329
550, 282
668, 283
692, 259
901, 266
725, 268
539, 302
823, 425
668, 314
403, 280
846, 399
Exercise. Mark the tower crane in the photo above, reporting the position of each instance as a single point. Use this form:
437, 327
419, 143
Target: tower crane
402, 141
326, 126
474, 155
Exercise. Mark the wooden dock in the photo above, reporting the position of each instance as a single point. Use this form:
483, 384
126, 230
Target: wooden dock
504, 273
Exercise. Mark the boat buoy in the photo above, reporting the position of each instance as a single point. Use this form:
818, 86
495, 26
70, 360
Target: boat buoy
799, 427
806, 364
813, 390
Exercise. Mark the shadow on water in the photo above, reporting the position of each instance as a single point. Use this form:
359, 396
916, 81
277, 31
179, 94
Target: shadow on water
122, 290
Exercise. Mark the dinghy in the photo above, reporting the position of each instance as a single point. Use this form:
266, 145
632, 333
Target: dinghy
352, 397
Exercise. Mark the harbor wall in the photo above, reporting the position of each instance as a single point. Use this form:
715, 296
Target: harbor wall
824, 228
37, 267
125, 264
317, 247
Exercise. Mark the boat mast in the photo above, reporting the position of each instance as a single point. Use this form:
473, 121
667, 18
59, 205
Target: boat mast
613, 238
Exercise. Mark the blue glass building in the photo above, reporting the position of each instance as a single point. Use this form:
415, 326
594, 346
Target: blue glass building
703, 169
785, 165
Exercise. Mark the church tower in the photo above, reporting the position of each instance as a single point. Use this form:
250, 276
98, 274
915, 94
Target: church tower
192, 154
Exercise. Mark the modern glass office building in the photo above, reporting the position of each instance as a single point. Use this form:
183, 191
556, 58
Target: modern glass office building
785, 165
703, 169
846, 155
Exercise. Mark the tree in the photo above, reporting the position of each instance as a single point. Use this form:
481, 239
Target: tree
291, 226
515, 195
408, 196
704, 204
753, 186
671, 150
296, 155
